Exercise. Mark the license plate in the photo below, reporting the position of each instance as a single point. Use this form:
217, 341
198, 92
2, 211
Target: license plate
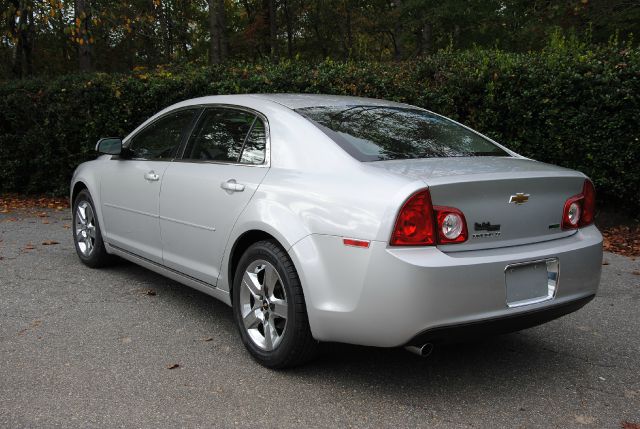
531, 282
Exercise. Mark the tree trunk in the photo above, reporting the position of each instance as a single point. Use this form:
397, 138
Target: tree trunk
27, 49
83, 14
396, 35
427, 39
349, 33
222, 31
214, 46
219, 46
163, 15
287, 16
272, 29
316, 27
22, 31
17, 54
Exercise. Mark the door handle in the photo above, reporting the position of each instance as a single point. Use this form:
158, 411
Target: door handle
152, 176
232, 186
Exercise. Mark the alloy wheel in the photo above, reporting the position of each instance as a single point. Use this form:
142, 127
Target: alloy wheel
85, 228
263, 305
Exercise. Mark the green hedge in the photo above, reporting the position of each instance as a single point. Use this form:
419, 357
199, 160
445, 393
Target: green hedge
576, 109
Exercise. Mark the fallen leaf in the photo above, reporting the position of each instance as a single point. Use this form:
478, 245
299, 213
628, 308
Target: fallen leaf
65, 226
629, 425
622, 239
207, 339
635, 273
42, 214
149, 292
584, 420
29, 247
49, 242
173, 366
45, 222
16, 202
605, 262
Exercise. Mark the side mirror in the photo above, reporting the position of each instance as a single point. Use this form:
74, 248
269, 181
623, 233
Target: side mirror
109, 146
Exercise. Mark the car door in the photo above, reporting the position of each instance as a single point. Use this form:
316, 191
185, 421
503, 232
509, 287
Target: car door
130, 187
204, 193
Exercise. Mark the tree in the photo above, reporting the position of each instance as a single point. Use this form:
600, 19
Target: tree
83, 37
218, 32
21, 26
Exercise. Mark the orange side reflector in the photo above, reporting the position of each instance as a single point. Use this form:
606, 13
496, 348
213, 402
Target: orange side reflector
355, 243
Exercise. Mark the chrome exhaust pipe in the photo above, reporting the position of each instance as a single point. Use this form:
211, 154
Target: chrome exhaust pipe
422, 351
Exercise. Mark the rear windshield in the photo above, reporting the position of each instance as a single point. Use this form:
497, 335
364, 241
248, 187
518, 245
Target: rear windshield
378, 133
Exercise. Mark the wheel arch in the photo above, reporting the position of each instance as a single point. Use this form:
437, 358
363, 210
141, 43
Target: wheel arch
78, 187
239, 247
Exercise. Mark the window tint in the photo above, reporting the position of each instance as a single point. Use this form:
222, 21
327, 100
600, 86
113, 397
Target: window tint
254, 146
161, 139
220, 135
375, 133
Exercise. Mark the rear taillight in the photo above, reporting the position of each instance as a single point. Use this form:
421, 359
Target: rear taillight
589, 203
452, 226
419, 223
579, 210
415, 222
572, 211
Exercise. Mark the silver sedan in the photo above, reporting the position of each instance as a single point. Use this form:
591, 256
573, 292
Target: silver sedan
342, 219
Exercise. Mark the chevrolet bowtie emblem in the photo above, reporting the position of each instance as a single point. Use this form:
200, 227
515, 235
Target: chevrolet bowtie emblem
519, 198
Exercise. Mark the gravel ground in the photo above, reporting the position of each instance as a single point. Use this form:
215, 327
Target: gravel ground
91, 348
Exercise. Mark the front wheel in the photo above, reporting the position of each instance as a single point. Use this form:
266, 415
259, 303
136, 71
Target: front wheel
269, 307
87, 235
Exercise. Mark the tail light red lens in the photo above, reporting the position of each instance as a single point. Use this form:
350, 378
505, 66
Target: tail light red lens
579, 210
419, 223
415, 222
589, 203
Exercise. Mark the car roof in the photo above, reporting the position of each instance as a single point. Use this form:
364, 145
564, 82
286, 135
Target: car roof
299, 101
285, 101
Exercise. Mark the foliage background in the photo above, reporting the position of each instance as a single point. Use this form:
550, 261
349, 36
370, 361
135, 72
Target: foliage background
54, 37
568, 104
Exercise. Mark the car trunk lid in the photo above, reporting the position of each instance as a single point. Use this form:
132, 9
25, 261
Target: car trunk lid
506, 201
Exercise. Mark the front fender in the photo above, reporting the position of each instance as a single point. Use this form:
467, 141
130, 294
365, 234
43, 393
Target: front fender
88, 175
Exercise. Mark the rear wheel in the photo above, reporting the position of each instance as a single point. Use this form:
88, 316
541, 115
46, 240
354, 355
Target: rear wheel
87, 235
269, 307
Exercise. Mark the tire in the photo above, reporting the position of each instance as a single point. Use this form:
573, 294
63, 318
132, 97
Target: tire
272, 340
87, 235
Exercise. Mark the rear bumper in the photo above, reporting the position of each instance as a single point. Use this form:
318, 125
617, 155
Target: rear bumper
387, 297
498, 325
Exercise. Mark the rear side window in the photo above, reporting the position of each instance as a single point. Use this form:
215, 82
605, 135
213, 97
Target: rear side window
227, 135
377, 133
255, 145
161, 139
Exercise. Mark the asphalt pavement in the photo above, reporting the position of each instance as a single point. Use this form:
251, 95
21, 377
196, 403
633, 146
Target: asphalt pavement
92, 348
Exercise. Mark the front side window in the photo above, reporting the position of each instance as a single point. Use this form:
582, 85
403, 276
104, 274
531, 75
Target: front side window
161, 140
378, 133
228, 135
